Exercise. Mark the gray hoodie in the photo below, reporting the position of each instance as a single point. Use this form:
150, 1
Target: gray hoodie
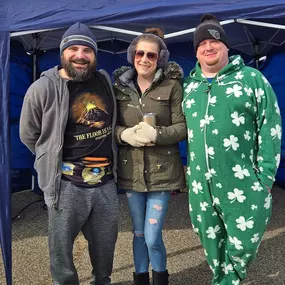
42, 125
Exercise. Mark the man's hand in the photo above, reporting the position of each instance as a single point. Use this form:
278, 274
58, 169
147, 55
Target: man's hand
131, 137
147, 131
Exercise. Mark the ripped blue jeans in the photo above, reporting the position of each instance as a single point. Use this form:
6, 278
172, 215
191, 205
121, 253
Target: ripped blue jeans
148, 211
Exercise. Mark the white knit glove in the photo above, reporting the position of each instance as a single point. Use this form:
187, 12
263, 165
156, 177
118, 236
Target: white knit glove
147, 131
131, 137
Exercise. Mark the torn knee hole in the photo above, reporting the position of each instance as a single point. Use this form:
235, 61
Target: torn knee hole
157, 207
139, 234
152, 221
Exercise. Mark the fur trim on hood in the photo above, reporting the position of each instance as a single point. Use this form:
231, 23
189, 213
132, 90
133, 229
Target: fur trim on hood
172, 71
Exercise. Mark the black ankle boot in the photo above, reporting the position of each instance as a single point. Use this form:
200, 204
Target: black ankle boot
141, 278
160, 278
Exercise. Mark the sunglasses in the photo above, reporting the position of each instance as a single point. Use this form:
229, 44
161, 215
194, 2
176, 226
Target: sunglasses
152, 56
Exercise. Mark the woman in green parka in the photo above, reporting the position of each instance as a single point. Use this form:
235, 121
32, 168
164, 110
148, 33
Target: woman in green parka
234, 137
149, 163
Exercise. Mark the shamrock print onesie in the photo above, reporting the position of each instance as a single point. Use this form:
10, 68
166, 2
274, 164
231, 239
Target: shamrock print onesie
234, 138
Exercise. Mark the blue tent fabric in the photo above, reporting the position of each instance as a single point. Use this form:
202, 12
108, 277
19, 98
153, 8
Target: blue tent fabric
273, 70
176, 15
5, 170
22, 159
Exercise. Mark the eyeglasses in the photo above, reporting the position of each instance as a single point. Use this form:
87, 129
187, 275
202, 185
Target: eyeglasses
152, 56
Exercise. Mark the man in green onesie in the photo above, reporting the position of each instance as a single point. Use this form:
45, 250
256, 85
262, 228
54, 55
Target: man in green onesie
234, 137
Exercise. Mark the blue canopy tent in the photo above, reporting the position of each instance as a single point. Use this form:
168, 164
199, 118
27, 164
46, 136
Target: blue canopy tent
40, 24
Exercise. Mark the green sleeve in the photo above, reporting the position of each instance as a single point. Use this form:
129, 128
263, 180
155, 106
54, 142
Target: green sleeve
269, 132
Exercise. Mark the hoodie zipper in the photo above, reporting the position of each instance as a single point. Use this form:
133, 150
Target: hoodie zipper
205, 131
62, 90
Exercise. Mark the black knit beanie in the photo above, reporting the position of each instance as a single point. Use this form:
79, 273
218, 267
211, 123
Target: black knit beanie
209, 28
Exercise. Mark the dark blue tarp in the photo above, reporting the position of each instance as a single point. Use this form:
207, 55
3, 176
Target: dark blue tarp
273, 70
176, 15
20, 79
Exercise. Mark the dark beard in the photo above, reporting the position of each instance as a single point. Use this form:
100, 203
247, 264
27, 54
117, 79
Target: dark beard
78, 75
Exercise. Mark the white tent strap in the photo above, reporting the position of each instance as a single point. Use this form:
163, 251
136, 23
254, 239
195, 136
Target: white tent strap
105, 28
189, 31
116, 30
261, 24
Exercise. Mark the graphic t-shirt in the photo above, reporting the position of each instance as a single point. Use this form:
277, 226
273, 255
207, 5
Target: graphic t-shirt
87, 149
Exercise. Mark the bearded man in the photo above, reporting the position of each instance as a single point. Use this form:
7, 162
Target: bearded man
67, 121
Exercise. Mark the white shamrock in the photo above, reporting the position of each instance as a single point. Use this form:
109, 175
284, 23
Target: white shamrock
248, 91
256, 187
236, 91
216, 262
215, 131
192, 155
242, 155
198, 167
236, 195
213, 101
190, 135
251, 155
199, 218
238, 259
207, 120
267, 202
194, 114
210, 173
255, 238
213, 231
259, 158
259, 94
239, 172
227, 268
236, 242
247, 105
276, 132
219, 185
247, 135
253, 74
277, 108
210, 151
237, 119
204, 206
235, 282
216, 201
253, 207
191, 86
232, 142
239, 75
196, 230
277, 158
197, 187
188, 170
243, 224
260, 139
189, 103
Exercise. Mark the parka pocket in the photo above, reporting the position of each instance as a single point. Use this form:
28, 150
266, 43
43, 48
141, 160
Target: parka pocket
166, 165
161, 98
